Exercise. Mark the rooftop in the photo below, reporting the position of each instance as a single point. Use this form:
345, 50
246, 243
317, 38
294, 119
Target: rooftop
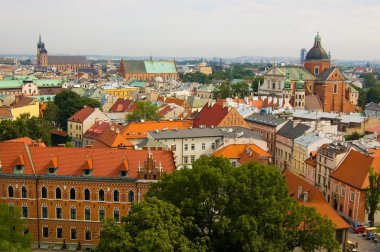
291, 131
265, 119
81, 115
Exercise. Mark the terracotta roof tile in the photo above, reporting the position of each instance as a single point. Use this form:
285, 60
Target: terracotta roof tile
315, 199
5, 113
122, 105
96, 130
28, 141
9, 157
242, 152
82, 114
140, 129
211, 115
23, 101
111, 138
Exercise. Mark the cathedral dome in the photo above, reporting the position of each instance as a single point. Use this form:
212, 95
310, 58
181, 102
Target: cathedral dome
317, 52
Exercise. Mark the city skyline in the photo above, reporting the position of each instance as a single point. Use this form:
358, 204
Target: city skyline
192, 28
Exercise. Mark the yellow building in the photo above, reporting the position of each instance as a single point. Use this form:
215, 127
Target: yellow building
121, 92
205, 70
25, 105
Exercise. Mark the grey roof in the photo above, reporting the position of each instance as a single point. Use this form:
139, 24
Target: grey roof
67, 60
150, 143
312, 103
265, 119
317, 53
230, 132
325, 74
134, 66
373, 106
293, 132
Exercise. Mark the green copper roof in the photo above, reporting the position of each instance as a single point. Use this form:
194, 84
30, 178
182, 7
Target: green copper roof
300, 82
45, 98
295, 71
139, 84
78, 90
236, 81
287, 82
160, 66
317, 38
48, 83
10, 84
25, 78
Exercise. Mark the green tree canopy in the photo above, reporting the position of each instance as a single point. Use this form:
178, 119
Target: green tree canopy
373, 195
369, 79
244, 209
258, 80
144, 110
12, 237
373, 94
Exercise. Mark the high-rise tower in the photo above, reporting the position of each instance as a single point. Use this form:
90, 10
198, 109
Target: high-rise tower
42, 54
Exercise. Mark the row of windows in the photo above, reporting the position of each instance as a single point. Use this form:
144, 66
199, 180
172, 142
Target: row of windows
58, 194
343, 192
186, 159
73, 233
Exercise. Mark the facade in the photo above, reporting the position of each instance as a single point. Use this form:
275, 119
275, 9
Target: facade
303, 146
320, 79
81, 121
372, 110
267, 126
60, 63
189, 144
123, 92
285, 141
65, 193
349, 184
148, 70
328, 158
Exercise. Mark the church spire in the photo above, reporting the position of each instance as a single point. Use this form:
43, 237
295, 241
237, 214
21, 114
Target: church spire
317, 40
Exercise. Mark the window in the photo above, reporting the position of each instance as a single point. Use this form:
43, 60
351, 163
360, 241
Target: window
25, 211
24, 192
316, 70
59, 233
102, 214
87, 213
131, 196
116, 215
203, 146
10, 192
343, 192
88, 235
86, 194
58, 212
72, 194
174, 147
192, 146
192, 159
335, 88
213, 146
44, 212
336, 188
116, 197
73, 213
185, 159
58, 193
44, 193
352, 196
186, 147
233, 163
45, 232
101, 195
73, 234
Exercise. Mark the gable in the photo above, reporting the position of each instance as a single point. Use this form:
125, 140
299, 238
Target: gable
335, 75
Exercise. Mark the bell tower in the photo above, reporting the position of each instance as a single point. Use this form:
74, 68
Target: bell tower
299, 94
287, 93
42, 54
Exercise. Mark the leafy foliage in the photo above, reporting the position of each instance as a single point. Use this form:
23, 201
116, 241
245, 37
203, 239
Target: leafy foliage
353, 136
373, 94
12, 237
369, 79
144, 110
26, 126
373, 195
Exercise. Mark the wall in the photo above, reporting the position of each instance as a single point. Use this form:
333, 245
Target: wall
33, 110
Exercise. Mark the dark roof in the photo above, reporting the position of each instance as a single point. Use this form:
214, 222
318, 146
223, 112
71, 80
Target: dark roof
265, 119
312, 103
373, 106
325, 74
134, 66
293, 132
317, 53
67, 60
88, 70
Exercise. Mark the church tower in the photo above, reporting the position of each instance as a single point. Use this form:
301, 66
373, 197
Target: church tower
317, 60
287, 92
42, 54
299, 94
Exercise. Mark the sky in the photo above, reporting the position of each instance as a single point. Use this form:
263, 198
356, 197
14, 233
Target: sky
350, 29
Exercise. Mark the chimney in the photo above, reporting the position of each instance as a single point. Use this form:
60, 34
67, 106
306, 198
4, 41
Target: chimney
61, 145
306, 196
117, 130
299, 192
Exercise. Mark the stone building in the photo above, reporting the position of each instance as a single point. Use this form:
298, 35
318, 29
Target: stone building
65, 193
148, 70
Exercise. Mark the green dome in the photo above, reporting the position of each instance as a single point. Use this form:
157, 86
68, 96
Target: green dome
300, 82
287, 82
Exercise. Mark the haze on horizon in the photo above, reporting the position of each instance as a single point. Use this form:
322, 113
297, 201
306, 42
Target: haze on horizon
350, 29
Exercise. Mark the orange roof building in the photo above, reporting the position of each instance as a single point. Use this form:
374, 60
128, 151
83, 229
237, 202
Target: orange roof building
349, 183
240, 154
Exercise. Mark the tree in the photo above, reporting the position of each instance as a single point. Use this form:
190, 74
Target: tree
245, 209
222, 91
152, 225
12, 237
373, 95
240, 89
353, 136
373, 195
144, 110
369, 79
256, 83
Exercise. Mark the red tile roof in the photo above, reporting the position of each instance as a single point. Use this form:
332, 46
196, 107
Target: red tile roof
374, 129
72, 161
122, 105
235, 151
353, 170
110, 138
315, 199
82, 114
5, 113
23, 101
96, 130
211, 115
28, 141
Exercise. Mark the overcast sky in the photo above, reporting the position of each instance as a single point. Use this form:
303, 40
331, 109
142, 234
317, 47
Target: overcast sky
350, 29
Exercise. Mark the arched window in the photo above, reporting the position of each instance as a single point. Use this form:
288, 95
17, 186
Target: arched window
116, 196
101, 195
72, 194
44, 193
24, 192
10, 192
58, 193
131, 196
86, 194
335, 88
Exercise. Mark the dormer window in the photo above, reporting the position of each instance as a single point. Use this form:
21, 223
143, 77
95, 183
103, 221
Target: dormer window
53, 166
87, 172
87, 168
123, 173
316, 70
51, 170
124, 169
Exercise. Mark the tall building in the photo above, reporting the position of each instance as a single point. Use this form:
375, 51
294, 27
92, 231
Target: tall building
303, 56
148, 70
60, 63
